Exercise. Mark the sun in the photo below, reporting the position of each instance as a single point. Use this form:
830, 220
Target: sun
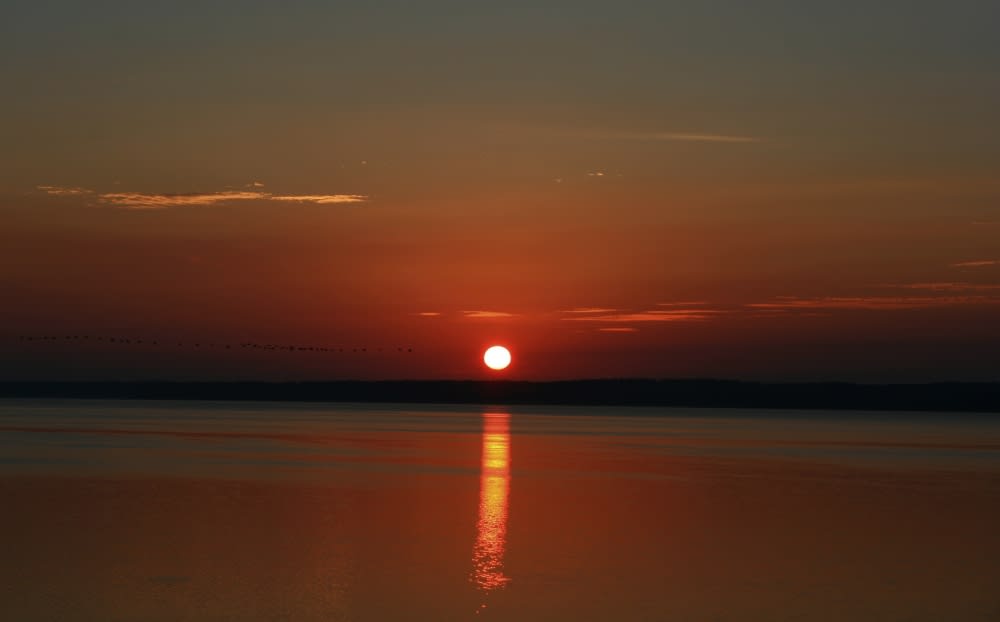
497, 357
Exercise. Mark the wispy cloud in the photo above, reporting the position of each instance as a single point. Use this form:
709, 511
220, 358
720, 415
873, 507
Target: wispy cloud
870, 303
916, 296
138, 200
589, 310
693, 303
786, 312
142, 200
618, 329
61, 191
479, 314
322, 199
694, 137
697, 137
948, 287
976, 263
675, 315
429, 313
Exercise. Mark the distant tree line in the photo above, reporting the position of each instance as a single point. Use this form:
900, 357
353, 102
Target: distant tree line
955, 397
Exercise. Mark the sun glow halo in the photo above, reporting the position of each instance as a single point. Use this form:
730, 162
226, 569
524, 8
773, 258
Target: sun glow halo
497, 357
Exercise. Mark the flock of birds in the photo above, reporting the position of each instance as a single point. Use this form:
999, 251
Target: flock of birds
128, 341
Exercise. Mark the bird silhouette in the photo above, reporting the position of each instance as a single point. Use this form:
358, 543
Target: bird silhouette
130, 341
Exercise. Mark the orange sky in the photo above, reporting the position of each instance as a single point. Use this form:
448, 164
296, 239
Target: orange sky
604, 197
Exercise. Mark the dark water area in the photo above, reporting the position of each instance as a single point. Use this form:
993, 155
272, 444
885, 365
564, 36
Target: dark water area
117, 510
676, 393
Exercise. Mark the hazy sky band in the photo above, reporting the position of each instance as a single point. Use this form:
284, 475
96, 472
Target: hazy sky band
645, 189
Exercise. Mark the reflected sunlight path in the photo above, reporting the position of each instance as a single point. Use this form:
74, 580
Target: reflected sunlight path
494, 487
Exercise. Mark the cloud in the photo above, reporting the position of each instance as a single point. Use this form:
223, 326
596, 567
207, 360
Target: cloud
784, 313
674, 315
141, 200
694, 303
61, 191
924, 295
618, 329
589, 310
696, 137
702, 138
486, 314
429, 313
870, 303
977, 263
138, 200
948, 287
322, 199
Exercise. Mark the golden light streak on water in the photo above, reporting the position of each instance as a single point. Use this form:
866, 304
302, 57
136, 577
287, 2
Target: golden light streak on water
494, 488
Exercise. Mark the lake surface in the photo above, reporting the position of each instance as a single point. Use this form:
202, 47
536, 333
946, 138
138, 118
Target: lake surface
180, 511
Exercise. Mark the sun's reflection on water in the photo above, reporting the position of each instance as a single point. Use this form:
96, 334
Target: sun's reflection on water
494, 487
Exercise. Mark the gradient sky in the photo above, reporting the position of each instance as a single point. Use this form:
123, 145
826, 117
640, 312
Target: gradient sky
767, 190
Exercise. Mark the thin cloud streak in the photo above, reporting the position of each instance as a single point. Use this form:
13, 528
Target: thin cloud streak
678, 315
701, 138
929, 295
152, 201
486, 314
978, 263
618, 329
871, 303
696, 137
589, 310
948, 287
693, 303
322, 199
62, 192
138, 200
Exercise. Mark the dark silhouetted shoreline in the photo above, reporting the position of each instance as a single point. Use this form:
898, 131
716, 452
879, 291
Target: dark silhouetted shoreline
957, 397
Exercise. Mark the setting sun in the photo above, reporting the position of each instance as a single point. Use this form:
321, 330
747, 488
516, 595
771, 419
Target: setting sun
497, 357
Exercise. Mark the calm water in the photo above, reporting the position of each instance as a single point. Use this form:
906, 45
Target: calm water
225, 511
